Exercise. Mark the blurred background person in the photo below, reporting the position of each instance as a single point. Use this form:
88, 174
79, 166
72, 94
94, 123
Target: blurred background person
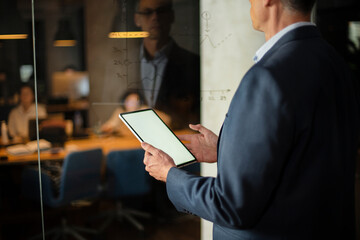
170, 75
19, 116
132, 100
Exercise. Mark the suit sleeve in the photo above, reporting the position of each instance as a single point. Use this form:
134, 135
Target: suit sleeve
254, 146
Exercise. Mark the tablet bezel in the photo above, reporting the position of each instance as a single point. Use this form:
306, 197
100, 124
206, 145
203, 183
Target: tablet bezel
141, 140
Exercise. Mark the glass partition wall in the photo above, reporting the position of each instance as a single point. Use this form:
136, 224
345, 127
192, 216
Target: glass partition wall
67, 69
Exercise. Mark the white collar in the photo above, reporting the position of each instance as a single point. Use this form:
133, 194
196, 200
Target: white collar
164, 51
272, 41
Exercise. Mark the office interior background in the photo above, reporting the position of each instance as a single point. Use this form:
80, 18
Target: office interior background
220, 32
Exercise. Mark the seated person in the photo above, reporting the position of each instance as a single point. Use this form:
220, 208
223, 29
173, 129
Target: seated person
18, 121
132, 100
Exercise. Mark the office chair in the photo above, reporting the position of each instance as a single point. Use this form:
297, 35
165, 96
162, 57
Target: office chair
80, 179
53, 130
125, 177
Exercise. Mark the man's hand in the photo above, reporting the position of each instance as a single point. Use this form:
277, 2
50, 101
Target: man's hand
202, 145
157, 163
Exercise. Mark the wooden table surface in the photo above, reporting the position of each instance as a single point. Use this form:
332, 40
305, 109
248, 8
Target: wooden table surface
107, 143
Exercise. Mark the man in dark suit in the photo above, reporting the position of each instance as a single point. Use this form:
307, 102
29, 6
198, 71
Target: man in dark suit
170, 75
286, 151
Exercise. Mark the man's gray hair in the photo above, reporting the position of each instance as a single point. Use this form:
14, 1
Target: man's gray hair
303, 6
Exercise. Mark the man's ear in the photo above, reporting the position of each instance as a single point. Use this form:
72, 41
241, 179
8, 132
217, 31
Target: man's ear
137, 20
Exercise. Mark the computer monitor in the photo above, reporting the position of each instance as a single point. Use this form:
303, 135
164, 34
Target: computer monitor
70, 84
50, 130
32, 128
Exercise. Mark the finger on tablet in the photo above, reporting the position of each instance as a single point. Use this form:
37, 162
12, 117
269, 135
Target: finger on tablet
147, 147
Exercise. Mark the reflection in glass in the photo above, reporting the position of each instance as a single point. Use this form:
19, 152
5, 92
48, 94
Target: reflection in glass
80, 87
164, 72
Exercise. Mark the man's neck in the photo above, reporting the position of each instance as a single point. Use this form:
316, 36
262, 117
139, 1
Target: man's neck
152, 46
280, 19
26, 107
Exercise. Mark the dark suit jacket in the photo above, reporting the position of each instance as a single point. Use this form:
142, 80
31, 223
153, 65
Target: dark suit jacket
286, 152
179, 94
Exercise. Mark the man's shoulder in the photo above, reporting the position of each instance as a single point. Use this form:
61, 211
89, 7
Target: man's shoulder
258, 73
15, 109
299, 39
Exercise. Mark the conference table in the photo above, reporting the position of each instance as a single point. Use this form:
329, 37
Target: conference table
105, 142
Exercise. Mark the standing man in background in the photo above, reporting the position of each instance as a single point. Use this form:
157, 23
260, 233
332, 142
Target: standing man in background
170, 75
286, 151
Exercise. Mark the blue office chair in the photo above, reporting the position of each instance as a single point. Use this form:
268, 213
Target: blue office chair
80, 179
126, 177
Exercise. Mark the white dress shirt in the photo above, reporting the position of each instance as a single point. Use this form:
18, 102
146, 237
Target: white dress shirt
18, 123
152, 71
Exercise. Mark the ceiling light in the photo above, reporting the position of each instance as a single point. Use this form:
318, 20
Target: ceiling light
12, 26
120, 27
64, 37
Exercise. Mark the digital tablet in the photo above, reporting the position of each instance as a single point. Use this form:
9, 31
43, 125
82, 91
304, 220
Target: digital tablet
148, 127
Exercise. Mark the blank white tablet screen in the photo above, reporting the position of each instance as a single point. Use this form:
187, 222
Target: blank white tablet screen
148, 127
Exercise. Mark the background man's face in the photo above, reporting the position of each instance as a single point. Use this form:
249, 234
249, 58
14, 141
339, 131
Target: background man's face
155, 17
26, 96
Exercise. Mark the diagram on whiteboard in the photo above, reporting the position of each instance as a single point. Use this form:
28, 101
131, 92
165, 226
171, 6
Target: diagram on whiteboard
210, 37
122, 62
207, 36
215, 95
